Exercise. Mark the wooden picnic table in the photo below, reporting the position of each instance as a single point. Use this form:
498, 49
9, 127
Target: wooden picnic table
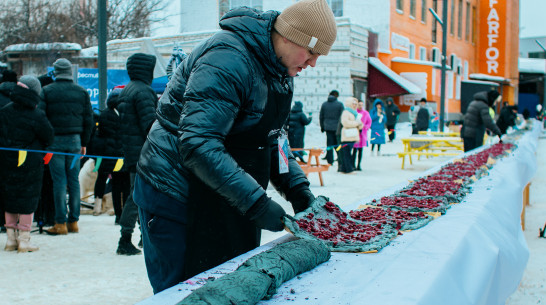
434, 146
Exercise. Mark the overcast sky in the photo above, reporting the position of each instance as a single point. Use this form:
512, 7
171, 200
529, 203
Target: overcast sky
532, 19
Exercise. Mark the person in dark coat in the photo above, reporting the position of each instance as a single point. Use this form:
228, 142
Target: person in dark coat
68, 108
108, 143
329, 119
393, 112
9, 79
137, 104
507, 118
423, 117
205, 167
22, 126
297, 121
477, 119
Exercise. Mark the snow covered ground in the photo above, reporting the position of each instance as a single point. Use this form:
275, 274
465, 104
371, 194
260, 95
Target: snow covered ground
83, 268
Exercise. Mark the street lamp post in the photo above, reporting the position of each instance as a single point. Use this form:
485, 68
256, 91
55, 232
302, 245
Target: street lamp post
444, 57
101, 7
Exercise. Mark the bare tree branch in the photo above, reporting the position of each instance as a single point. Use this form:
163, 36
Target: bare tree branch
38, 21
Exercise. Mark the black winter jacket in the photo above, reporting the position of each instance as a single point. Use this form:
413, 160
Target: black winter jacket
477, 118
107, 139
211, 111
23, 126
506, 118
296, 125
330, 114
137, 103
422, 120
5, 91
389, 110
68, 108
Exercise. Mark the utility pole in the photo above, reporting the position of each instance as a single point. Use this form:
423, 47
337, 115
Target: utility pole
444, 57
102, 53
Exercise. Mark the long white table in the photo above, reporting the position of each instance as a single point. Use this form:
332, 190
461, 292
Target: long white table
475, 254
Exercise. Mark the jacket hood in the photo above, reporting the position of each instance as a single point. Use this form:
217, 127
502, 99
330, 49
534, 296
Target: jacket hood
113, 100
6, 87
298, 107
140, 67
24, 97
254, 28
481, 96
378, 101
331, 98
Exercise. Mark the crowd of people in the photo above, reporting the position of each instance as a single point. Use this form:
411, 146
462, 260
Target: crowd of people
52, 114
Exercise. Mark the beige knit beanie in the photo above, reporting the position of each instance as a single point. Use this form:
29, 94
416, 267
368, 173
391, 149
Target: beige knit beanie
310, 24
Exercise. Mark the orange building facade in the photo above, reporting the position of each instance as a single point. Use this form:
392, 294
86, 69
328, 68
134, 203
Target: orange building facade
482, 46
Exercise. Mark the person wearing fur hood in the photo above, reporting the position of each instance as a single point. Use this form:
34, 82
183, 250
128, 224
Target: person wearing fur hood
350, 134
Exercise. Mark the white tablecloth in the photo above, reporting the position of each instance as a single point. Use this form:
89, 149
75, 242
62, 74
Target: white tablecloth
475, 254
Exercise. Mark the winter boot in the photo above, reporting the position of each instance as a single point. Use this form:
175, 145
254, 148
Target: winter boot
23, 243
58, 229
73, 227
97, 209
126, 247
11, 243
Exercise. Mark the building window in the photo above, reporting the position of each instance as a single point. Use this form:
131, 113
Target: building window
400, 5
452, 18
412, 51
226, 5
537, 54
460, 20
474, 23
424, 11
467, 23
412, 8
337, 7
422, 53
434, 21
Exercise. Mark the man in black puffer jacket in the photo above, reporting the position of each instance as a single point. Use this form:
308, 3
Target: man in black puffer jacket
137, 103
205, 167
297, 120
477, 119
329, 118
68, 108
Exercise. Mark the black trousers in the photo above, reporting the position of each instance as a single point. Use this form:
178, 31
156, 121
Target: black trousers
331, 142
129, 214
390, 130
470, 144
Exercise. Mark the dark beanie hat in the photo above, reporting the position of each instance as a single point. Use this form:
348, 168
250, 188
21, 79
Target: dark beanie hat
9, 76
492, 96
31, 82
63, 69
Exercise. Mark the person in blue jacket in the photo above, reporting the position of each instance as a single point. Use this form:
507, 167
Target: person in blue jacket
379, 120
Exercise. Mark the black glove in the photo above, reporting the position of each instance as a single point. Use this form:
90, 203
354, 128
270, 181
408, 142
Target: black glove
267, 214
301, 197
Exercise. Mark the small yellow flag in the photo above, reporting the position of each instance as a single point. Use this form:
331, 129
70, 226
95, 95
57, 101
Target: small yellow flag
338, 148
119, 165
22, 157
